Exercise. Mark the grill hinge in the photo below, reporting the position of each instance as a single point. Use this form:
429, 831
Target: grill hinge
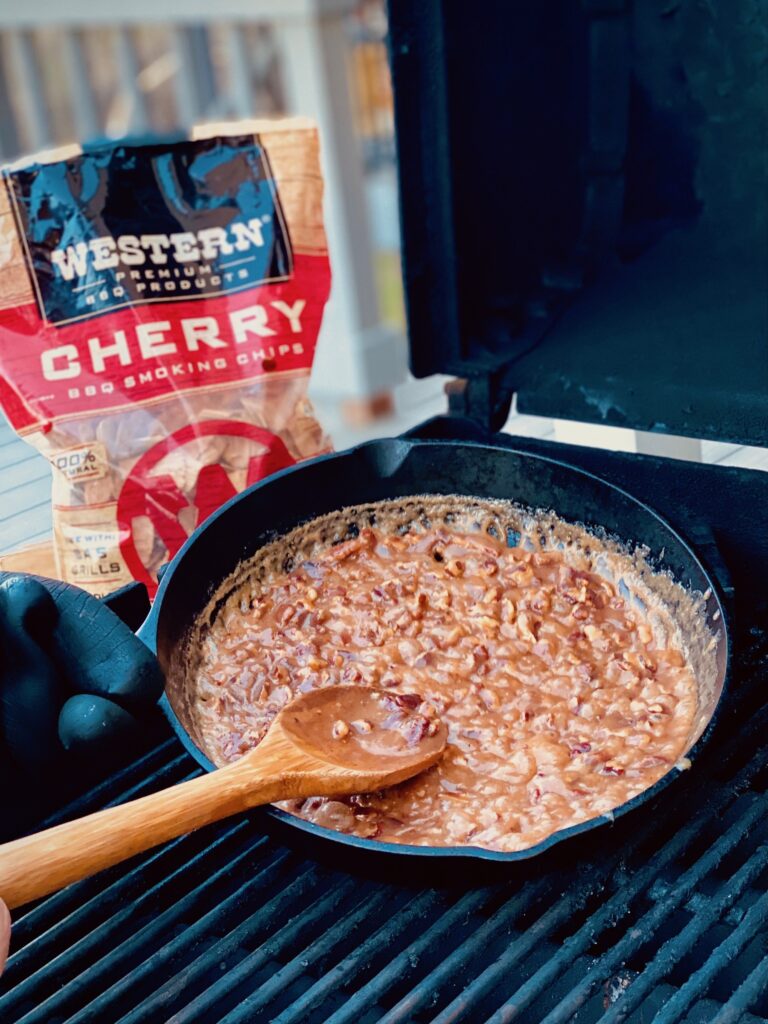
485, 400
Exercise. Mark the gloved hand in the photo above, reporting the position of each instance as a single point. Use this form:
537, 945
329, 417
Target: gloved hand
74, 679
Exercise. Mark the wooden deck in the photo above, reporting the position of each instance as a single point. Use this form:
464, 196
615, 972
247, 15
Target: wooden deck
25, 492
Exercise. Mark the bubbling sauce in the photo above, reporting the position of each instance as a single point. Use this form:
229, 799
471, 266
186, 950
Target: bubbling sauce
559, 700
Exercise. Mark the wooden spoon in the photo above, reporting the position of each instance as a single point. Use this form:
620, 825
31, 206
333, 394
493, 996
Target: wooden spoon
334, 741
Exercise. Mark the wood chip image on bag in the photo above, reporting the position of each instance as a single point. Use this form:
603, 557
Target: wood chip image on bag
159, 310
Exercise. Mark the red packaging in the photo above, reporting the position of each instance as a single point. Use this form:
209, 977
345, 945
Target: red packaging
159, 310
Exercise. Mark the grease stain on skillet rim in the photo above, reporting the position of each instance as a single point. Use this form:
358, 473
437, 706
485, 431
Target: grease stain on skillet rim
148, 633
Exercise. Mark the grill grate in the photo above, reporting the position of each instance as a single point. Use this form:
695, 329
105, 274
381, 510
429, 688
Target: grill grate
663, 921
225, 925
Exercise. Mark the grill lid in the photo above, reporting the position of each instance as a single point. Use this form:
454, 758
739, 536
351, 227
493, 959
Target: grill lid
584, 204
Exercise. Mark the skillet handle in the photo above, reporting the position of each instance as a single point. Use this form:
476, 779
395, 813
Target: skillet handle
40, 864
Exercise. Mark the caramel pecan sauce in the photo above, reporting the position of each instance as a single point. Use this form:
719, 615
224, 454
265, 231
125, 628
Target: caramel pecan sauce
559, 701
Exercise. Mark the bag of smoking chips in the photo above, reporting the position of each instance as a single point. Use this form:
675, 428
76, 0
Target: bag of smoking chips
159, 310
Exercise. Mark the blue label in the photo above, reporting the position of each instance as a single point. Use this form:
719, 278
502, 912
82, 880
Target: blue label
121, 225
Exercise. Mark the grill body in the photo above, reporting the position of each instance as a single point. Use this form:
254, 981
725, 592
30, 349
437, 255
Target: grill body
660, 918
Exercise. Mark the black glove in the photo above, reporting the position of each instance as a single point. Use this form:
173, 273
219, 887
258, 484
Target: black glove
75, 681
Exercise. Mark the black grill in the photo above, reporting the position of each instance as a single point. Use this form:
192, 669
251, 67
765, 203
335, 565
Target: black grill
661, 919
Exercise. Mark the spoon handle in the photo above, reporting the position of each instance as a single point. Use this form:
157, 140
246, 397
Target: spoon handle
39, 864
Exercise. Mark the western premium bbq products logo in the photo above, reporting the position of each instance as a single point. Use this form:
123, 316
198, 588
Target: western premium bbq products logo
217, 225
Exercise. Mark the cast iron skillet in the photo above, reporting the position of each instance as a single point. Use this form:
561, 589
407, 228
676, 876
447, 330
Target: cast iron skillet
398, 468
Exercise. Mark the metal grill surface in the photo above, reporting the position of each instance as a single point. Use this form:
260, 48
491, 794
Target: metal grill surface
667, 922
661, 919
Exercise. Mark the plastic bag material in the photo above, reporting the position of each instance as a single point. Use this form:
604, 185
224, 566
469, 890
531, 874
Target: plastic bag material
159, 310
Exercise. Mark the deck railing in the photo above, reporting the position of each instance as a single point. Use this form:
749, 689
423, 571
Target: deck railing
81, 70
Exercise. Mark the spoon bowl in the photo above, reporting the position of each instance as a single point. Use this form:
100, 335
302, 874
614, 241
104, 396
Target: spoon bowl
355, 732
